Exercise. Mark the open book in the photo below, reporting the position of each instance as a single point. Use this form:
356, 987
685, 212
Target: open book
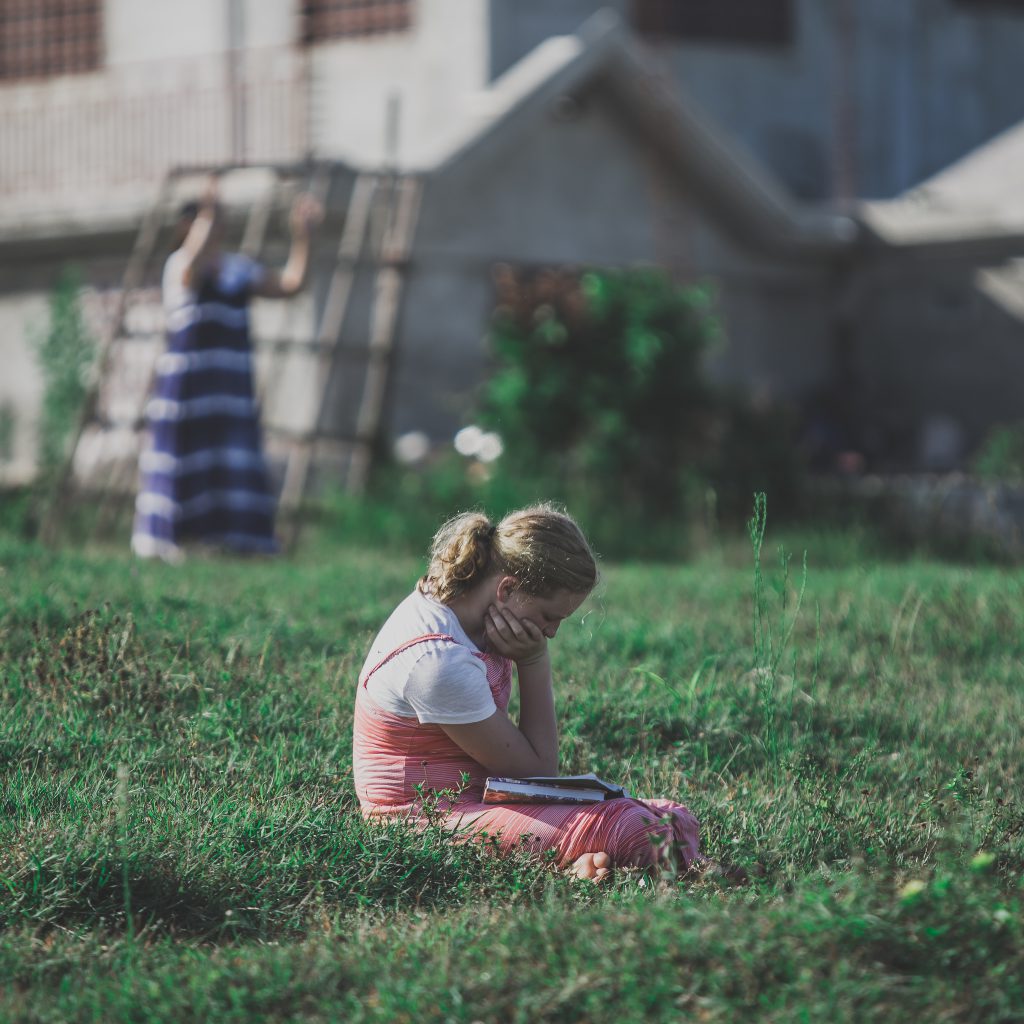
558, 789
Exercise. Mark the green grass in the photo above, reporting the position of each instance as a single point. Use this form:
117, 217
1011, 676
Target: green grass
870, 770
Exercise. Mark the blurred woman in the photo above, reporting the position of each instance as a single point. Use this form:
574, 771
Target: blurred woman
203, 474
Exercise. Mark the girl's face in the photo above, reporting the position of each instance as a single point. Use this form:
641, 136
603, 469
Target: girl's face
546, 613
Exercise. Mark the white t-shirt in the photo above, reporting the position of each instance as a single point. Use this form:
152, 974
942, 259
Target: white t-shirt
433, 681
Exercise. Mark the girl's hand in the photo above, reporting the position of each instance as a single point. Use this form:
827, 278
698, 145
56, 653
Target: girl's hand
512, 637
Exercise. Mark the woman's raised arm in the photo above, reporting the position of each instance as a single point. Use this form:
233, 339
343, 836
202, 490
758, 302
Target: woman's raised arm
202, 241
291, 279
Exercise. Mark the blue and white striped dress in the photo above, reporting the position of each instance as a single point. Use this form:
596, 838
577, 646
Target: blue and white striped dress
203, 473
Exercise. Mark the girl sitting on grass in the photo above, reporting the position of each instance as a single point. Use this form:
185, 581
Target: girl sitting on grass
433, 694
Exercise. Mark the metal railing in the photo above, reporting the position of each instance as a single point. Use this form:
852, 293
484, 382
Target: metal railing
71, 138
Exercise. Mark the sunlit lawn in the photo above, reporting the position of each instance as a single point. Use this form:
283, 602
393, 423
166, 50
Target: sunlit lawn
872, 781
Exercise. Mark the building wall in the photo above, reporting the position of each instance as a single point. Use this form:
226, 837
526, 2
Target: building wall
148, 30
431, 69
929, 80
935, 356
583, 192
152, 30
88, 148
517, 26
27, 283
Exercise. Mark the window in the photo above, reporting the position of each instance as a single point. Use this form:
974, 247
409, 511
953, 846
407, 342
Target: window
759, 22
341, 19
39, 38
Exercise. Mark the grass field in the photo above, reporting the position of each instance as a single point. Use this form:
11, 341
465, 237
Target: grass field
179, 838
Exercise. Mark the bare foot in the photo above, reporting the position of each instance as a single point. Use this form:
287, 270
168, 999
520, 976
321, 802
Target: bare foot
592, 866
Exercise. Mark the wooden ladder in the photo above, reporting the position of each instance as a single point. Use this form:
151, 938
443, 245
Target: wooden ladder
327, 342
398, 198
396, 246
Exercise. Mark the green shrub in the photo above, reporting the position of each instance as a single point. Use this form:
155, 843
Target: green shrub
1001, 455
8, 424
599, 384
64, 352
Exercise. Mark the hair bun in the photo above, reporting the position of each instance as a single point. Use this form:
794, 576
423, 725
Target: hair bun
541, 546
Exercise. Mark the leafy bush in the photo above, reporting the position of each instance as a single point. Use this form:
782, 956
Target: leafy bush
599, 380
64, 352
7, 431
1001, 455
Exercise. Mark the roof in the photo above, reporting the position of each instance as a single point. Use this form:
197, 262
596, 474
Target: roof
980, 196
603, 54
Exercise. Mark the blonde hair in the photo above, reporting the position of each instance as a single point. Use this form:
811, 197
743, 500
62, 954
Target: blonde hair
540, 546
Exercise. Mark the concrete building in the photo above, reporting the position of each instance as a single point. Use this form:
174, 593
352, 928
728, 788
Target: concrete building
704, 142
838, 98
935, 310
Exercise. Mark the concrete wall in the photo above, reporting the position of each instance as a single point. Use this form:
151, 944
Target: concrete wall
88, 150
930, 80
937, 359
149, 30
432, 68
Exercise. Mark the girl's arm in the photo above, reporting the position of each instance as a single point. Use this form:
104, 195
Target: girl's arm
531, 748
200, 244
289, 281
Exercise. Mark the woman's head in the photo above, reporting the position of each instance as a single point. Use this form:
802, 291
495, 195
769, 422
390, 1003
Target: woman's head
540, 547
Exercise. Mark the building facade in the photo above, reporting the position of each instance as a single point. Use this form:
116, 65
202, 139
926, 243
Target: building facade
712, 136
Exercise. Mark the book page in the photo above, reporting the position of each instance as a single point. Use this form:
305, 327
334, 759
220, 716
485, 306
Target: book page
569, 780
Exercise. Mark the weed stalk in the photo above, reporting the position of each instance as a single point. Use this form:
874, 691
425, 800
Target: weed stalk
770, 646
122, 821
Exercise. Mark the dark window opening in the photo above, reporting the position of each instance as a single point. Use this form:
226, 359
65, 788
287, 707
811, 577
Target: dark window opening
757, 22
41, 38
341, 19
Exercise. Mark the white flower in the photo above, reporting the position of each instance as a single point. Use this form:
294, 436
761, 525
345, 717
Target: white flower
489, 448
412, 447
467, 441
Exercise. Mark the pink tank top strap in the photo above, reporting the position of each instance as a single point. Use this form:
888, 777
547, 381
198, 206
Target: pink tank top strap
404, 647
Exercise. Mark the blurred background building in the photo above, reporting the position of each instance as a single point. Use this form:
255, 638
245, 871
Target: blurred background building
828, 163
